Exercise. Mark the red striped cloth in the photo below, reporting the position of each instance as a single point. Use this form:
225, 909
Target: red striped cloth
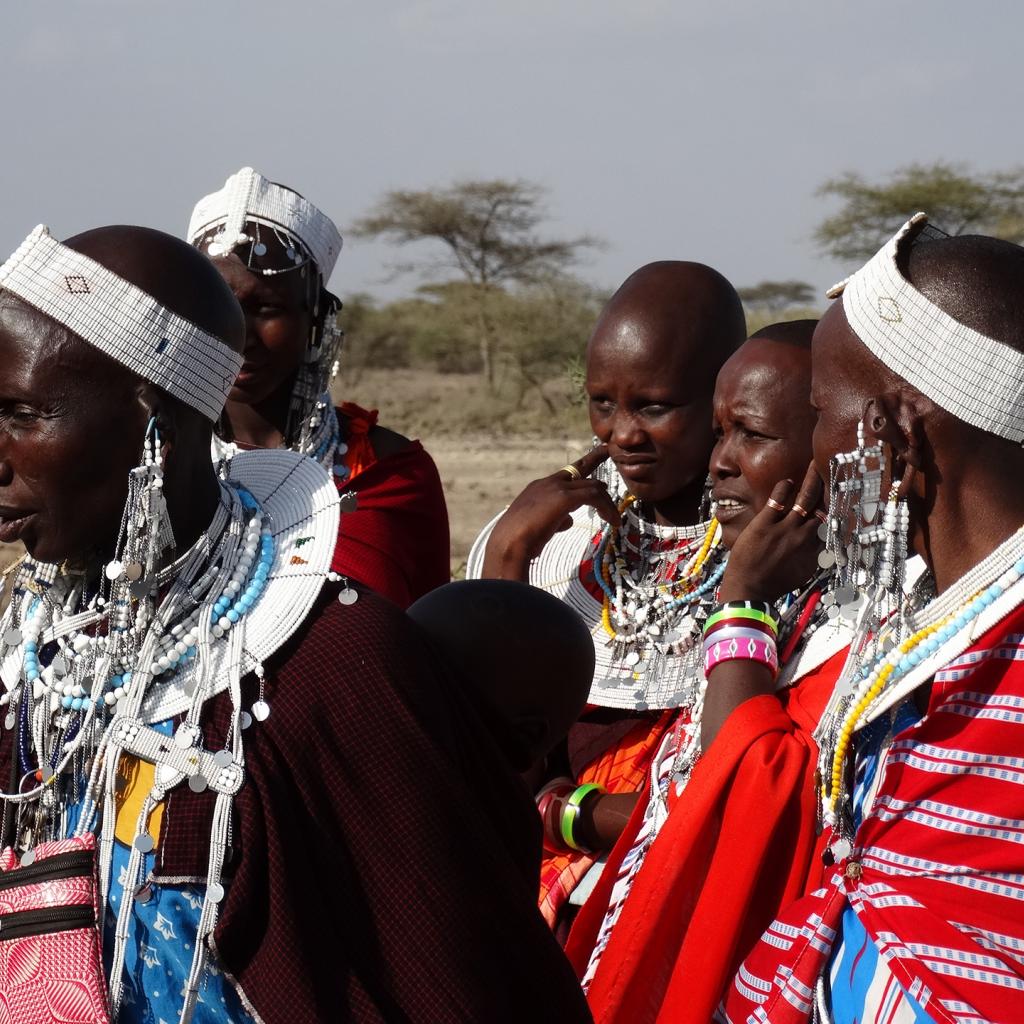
940, 888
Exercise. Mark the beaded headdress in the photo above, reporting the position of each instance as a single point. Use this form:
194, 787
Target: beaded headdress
248, 197
975, 378
122, 321
246, 214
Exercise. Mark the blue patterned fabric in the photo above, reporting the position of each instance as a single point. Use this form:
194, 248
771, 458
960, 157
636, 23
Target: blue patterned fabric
159, 956
161, 941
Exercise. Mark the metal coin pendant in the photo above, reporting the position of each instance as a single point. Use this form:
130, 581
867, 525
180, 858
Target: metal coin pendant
631, 659
186, 736
823, 532
215, 892
114, 570
245, 719
826, 560
144, 893
12, 637
348, 501
27, 858
197, 783
133, 572
259, 249
348, 596
10, 721
261, 711
223, 758
841, 849
144, 843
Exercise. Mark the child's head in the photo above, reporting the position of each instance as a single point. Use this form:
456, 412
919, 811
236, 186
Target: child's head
527, 658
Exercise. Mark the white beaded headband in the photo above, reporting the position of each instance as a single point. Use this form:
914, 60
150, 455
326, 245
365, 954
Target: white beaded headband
248, 196
122, 321
976, 378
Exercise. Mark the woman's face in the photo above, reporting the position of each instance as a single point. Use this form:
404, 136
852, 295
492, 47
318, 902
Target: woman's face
71, 430
278, 322
763, 423
653, 415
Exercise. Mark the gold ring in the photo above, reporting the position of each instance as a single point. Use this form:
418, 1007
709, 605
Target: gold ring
820, 516
573, 471
772, 503
800, 510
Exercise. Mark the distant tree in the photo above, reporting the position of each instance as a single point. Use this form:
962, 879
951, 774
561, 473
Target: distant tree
772, 297
955, 199
486, 232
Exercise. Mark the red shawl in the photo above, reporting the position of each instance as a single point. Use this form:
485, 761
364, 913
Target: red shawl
938, 879
397, 540
738, 845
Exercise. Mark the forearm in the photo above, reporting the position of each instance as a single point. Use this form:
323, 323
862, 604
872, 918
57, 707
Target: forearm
731, 682
504, 559
603, 819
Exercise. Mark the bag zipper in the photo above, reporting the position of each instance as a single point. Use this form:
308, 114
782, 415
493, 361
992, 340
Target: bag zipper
63, 865
38, 922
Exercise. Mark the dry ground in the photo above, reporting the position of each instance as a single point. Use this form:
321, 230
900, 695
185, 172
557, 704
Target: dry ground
481, 475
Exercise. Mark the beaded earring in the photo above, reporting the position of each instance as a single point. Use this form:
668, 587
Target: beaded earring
609, 476
704, 508
850, 534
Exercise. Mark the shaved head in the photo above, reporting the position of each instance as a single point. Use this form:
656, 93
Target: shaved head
651, 367
797, 333
977, 280
689, 311
172, 272
526, 656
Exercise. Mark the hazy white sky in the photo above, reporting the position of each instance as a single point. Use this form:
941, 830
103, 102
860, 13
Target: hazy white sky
672, 129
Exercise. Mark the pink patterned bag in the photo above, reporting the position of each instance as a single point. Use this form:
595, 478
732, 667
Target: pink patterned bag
51, 964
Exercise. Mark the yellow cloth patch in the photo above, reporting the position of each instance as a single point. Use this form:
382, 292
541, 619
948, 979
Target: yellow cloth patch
135, 779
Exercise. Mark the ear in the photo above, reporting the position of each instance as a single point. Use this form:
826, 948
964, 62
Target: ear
155, 405
897, 419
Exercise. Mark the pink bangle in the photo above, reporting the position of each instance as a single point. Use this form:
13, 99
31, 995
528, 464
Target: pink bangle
725, 645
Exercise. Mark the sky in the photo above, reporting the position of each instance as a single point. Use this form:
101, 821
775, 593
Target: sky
671, 129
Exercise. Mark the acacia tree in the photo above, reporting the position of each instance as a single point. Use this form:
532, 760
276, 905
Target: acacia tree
773, 297
486, 231
955, 199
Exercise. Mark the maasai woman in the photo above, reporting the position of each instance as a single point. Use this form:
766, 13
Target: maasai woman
254, 783
644, 579
277, 250
700, 871
918, 377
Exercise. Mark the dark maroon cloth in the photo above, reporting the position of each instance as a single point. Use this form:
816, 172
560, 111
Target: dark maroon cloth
397, 540
386, 858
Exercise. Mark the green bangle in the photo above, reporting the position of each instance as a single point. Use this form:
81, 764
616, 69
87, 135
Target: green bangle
740, 613
571, 812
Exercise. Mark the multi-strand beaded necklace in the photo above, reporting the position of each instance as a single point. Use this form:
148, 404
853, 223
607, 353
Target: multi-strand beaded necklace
870, 681
655, 589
